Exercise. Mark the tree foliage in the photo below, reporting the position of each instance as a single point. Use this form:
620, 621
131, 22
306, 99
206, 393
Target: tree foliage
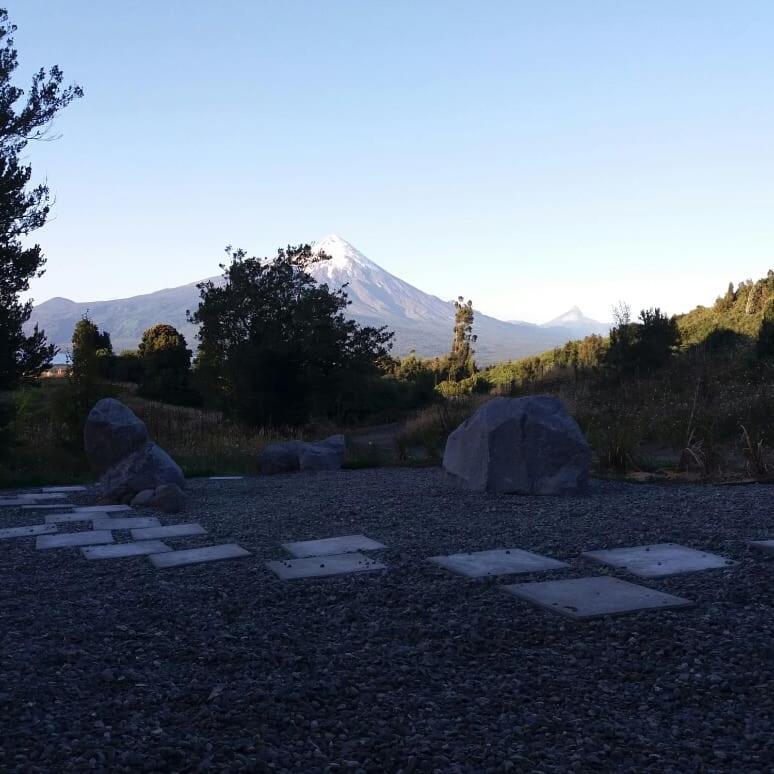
276, 347
166, 365
23, 117
765, 342
461, 364
85, 382
643, 346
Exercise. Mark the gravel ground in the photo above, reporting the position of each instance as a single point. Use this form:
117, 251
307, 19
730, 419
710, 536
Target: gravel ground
118, 666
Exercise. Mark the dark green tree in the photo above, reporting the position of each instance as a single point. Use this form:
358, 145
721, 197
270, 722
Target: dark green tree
643, 346
765, 342
92, 348
275, 347
23, 117
461, 363
85, 383
166, 365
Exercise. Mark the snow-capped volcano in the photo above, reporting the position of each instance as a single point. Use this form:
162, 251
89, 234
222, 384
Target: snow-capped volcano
575, 320
374, 292
421, 322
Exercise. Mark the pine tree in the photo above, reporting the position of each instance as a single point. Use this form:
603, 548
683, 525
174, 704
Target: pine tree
22, 209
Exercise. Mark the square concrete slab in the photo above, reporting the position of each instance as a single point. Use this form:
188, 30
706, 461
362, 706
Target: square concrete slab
763, 545
123, 550
68, 518
658, 560
132, 522
329, 546
198, 555
72, 539
35, 529
55, 489
104, 508
226, 478
501, 561
592, 597
173, 530
321, 566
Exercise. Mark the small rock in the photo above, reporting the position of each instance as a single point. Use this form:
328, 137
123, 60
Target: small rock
169, 498
143, 498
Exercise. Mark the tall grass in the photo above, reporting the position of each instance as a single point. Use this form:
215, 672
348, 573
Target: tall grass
41, 449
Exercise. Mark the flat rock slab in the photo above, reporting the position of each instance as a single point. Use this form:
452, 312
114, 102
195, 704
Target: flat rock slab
68, 518
763, 545
329, 546
132, 522
55, 489
592, 597
104, 508
226, 478
72, 539
321, 566
173, 530
198, 555
35, 529
501, 561
60, 507
33, 497
658, 560
123, 550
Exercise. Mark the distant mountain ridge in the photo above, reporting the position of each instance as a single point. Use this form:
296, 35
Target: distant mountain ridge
422, 322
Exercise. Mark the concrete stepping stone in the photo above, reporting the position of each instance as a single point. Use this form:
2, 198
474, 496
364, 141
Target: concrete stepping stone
60, 507
172, 530
198, 555
73, 539
226, 478
132, 522
500, 561
68, 518
123, 550
763, 545
592, 597
56, 489
35, 529
658, 560
103, 509
321, 566
336, 545
33, 497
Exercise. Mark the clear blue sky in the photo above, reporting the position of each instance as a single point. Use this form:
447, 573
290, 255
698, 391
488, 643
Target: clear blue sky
530, 155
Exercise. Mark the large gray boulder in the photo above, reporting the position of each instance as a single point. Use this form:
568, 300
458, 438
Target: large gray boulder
112, 432
146, 468
520, 445
290, 456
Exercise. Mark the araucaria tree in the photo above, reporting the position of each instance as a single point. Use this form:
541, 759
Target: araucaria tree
461, 362
23, 117
275, 347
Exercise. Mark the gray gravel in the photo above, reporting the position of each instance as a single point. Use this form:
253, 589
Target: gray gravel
118, 666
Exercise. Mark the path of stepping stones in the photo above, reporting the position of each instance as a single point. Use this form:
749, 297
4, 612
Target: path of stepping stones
581, 598
98, 542
592, 596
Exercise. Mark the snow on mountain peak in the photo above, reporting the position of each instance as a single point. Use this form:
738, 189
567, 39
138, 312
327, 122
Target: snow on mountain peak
342, 254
